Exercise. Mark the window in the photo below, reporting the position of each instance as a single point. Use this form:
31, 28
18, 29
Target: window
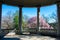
48, 17
29, 18
9, 17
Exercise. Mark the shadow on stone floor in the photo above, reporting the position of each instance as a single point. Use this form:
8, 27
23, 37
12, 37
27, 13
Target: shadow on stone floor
10, 39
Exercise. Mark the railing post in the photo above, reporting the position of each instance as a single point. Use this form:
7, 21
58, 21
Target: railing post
0, 13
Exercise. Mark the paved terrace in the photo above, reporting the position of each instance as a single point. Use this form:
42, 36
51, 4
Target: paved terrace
13, 36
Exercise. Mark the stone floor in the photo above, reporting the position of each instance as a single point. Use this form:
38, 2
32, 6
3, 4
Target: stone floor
28, 37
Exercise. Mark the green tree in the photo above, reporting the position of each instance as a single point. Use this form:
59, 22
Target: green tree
16, 19
24, 23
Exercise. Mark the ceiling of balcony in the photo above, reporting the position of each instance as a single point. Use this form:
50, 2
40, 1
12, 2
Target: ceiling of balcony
28, 3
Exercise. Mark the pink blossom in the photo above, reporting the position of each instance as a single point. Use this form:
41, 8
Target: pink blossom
32, 22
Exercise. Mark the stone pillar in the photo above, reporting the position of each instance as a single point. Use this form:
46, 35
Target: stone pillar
20, 20
38, 13
0, 13
58, 12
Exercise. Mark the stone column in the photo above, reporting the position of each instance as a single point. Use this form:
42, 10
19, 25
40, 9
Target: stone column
0, 13
38, 13
20, 20
58, 12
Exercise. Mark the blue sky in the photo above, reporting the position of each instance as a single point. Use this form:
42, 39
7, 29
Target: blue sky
31, 12
8, 8
49, 11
